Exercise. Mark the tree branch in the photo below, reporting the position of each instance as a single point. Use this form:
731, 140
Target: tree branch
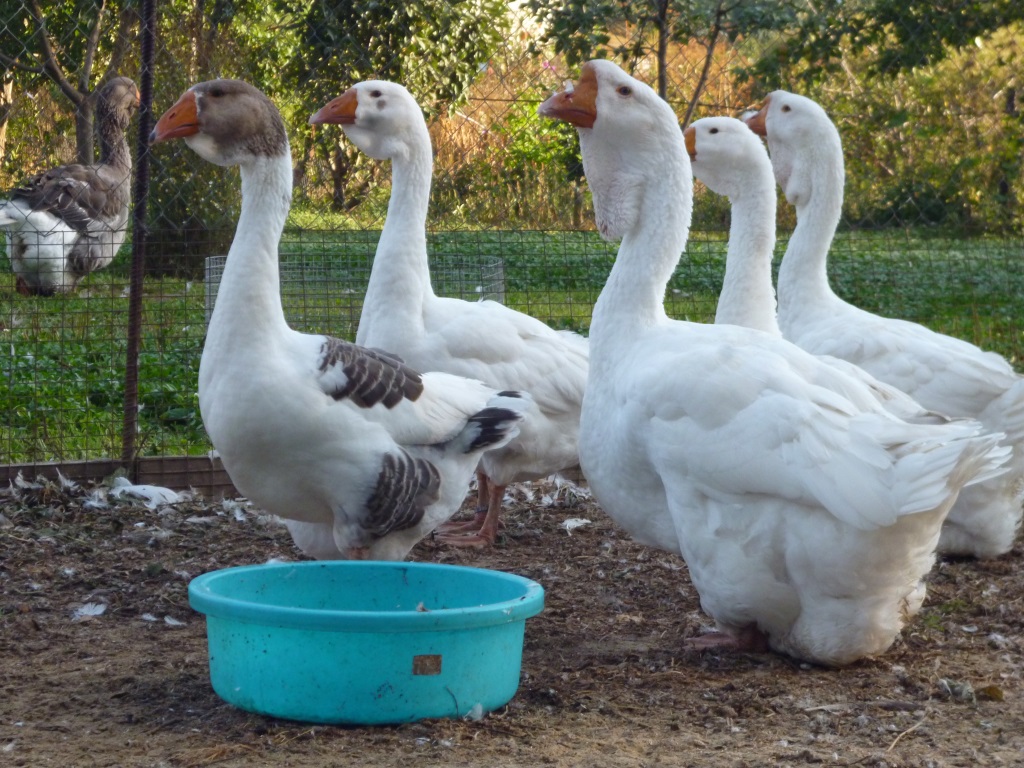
91, 45
122, 43
50, 64
716, 31
10, 63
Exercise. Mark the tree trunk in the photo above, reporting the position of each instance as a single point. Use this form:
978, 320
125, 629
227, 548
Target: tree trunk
663, 37
1011, 112
305, 155
84, 138
6, 103
339, 175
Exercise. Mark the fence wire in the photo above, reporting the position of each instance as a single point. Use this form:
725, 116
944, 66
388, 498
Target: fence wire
926, 100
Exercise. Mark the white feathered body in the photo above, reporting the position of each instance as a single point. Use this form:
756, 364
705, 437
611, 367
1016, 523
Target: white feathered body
311, 459
506, 350
942, 373
802, 507
810, 514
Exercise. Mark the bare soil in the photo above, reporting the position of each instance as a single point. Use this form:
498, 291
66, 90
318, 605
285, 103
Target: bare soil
103, 663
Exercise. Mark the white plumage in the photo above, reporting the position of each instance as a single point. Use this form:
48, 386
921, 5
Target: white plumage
361, 454
731, 160
483, 340
942, 373
806, 513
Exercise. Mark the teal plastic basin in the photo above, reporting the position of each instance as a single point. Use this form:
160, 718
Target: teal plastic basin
365, 642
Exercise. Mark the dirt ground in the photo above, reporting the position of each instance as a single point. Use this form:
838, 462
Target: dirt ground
103, 663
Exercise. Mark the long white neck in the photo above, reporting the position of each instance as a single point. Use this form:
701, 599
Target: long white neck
633, 298
748, 297
400, 277
803, 276
248, 311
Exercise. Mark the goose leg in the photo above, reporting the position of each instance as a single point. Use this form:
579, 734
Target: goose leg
483, 487
487, 532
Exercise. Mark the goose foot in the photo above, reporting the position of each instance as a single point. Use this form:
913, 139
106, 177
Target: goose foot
482, 531
472, 525
477, 540
478, 533
746, 640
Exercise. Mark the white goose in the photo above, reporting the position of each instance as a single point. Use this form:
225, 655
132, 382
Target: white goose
731, 160
942, 373
71, 220
359, 453
806, 513
482, 340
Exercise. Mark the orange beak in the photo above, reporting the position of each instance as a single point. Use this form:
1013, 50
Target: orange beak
756, 122
577, 107
341, 111
180, 120
690, 137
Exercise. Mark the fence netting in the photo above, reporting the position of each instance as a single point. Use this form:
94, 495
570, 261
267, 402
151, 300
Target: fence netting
925, 95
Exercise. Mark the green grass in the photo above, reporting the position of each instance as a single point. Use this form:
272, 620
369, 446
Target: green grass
63, 367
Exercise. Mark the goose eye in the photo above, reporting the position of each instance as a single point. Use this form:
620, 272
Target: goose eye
375, 94
786, 108
713, 130
217, 92
624, 90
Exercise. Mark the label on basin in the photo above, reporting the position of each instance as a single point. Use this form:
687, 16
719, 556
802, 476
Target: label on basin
427, 664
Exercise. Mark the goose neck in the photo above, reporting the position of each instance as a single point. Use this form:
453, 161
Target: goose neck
249, 297
633, 298
748, 295
803, 275
114, 146
400, 276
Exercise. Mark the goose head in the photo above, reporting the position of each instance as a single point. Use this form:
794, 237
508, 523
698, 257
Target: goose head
803, 142
117, 101
724, 153
227, 122
627, 136
380, 117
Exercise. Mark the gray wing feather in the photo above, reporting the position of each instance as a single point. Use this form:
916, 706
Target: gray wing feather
371, 376
406, 486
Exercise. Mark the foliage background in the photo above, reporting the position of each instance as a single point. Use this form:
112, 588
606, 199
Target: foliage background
926, 94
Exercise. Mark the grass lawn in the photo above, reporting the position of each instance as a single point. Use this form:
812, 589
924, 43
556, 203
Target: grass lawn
62, 379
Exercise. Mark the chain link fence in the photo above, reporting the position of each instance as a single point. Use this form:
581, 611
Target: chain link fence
925, 97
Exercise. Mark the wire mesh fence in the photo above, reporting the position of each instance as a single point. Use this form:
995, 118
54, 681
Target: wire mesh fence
925, 98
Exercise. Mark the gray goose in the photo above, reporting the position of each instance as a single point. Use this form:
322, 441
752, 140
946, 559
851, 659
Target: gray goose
71, 220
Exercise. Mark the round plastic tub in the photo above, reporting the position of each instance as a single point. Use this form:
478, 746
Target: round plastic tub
365, 642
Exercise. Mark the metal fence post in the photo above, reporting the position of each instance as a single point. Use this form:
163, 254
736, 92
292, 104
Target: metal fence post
139, 195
